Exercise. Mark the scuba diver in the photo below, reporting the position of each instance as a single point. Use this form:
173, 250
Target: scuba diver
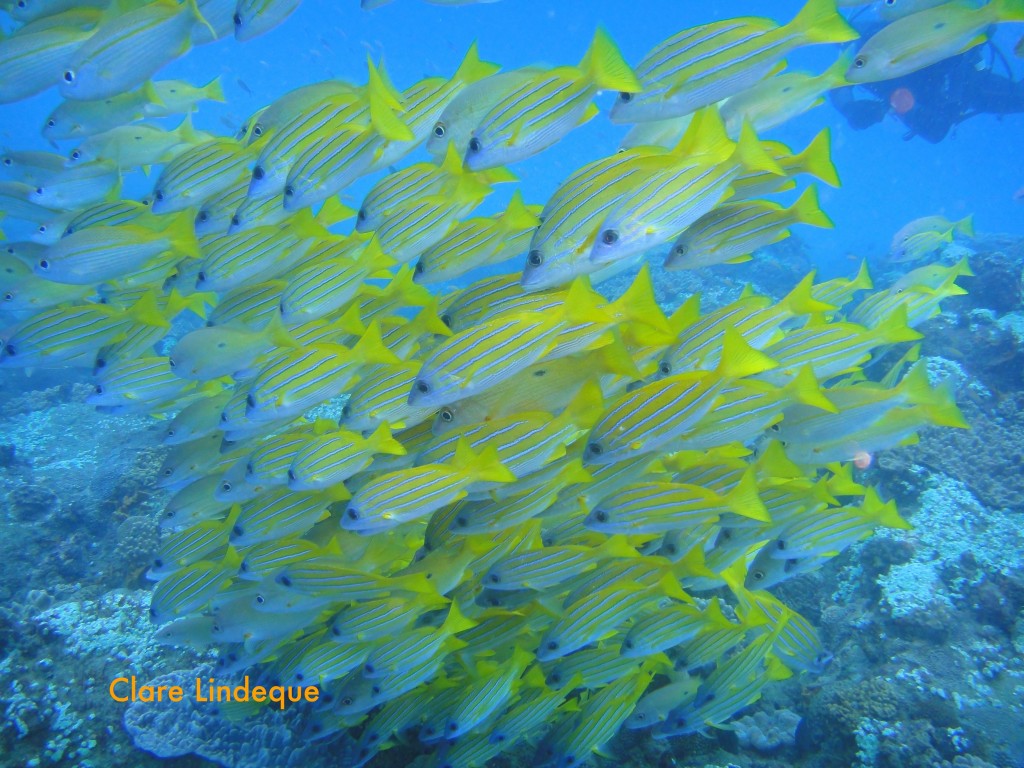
932, 101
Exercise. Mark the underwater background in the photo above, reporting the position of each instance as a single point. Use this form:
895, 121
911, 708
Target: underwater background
918, 632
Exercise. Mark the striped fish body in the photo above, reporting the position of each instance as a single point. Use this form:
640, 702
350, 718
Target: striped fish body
559, 248
96, 254
700, 66
407, 231
262, 253
252, 305
187, 547
269, 462
471, 305
471, 244
591, 618
539, 569
193, 504
646, 508
285, 146
328, 460
147, 383
525, 442
742, 414
128, 49
659, 210
322, 287
469, 107
276, 514
645, 419
382, 397
531, 118
373, 620
327, 167
263, 559
83, 185
32, 62
108, 214
481, 357
62, 336
186, 590
667, 627
199, 173
216, 211
397, 190
328, 661
729, 233
296, 380
399, 497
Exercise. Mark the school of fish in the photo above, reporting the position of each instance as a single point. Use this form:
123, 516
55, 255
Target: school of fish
514, 512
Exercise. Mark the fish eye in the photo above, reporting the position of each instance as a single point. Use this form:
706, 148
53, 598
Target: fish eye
169, 471
236, 220
775, 427
859, 62
39, 191
346, 411
418, 269
289, 191
9, 296
494, 578
237, 19
682, 248
375, 690
257, 130
475, 145
76, 155
890, 3
361, 216
250, 400
249, 469
552, 645
665, 368
594, 449
51, 123
158, 195
258, 172
446, 415
780, 544
758, 575
170, 362
225, 486
284, 580
422, 387
439, 130
535, 259
202, 217
69, 76
237, 531
353, 514
601, 516
201, 277
99, 389
260, 600
609, 237
446, 319
625, 97
347, 701
158, 563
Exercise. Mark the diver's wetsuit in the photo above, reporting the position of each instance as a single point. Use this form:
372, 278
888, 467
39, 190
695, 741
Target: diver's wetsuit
944, 95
